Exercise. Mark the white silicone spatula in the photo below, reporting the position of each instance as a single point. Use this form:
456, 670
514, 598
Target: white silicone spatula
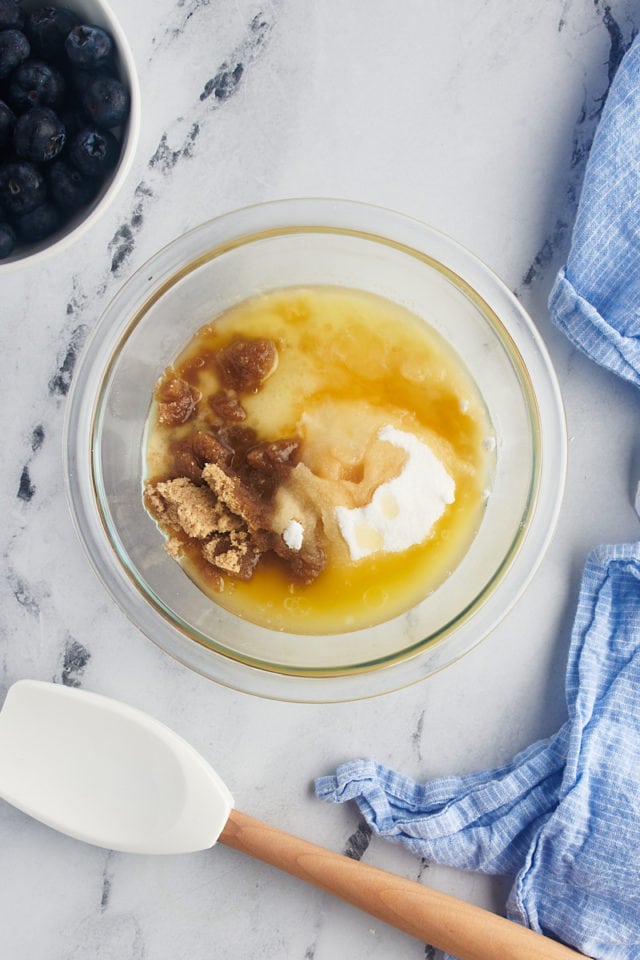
104, 772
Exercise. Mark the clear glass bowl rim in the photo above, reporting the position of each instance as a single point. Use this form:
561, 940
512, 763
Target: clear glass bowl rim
149, 281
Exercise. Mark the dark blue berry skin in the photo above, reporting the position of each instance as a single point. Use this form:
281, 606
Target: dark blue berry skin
7, 123
106, 102
11, 15
94, 152
69, 189
7, 239
14, 48
88, 46
47, 29
35, 84
39, 135
39, 223
22, 188
80, 77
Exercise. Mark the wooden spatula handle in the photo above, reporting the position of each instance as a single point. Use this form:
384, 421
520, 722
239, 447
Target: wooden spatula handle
466, 931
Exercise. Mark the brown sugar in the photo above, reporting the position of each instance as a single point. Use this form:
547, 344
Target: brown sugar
182, 505
244, 364
235, 554
236, 495
177, 401
219, 500
227, 406
231, 524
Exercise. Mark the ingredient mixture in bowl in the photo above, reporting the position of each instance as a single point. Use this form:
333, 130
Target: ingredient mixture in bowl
318, 459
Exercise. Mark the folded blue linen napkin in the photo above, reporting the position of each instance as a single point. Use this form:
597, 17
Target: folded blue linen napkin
563, 818
596, 297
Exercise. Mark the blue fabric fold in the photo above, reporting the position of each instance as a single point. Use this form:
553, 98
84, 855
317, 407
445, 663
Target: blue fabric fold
563, 818
595, 300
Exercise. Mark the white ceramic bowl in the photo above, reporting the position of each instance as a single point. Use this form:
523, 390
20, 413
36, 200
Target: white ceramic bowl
99, 13
312, 242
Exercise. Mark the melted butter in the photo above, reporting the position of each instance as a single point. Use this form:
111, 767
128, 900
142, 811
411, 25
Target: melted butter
349, 363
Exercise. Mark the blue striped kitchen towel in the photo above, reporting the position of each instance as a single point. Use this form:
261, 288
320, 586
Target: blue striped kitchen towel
563, 818
596, 297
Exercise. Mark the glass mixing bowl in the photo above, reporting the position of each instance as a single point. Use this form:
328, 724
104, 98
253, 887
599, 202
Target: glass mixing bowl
298, 243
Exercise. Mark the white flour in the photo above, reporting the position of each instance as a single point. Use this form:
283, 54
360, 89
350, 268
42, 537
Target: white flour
402, 511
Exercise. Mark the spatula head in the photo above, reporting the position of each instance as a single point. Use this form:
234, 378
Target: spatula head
106, 773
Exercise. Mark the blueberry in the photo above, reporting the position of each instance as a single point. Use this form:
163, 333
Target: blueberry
88, 46
14, 48
94, 152
68, 188
106, 102
7, 122
38, 223
81, 77
35, 84
39, 135
47, 29
11, 15
7, 239
22, 188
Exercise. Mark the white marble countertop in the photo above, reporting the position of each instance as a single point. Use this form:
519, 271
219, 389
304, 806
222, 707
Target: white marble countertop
474, 117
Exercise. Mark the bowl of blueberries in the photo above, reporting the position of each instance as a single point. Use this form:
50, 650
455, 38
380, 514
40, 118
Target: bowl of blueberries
69, 120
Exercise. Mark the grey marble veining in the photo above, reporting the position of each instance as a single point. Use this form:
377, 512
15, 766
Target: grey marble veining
474, 117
